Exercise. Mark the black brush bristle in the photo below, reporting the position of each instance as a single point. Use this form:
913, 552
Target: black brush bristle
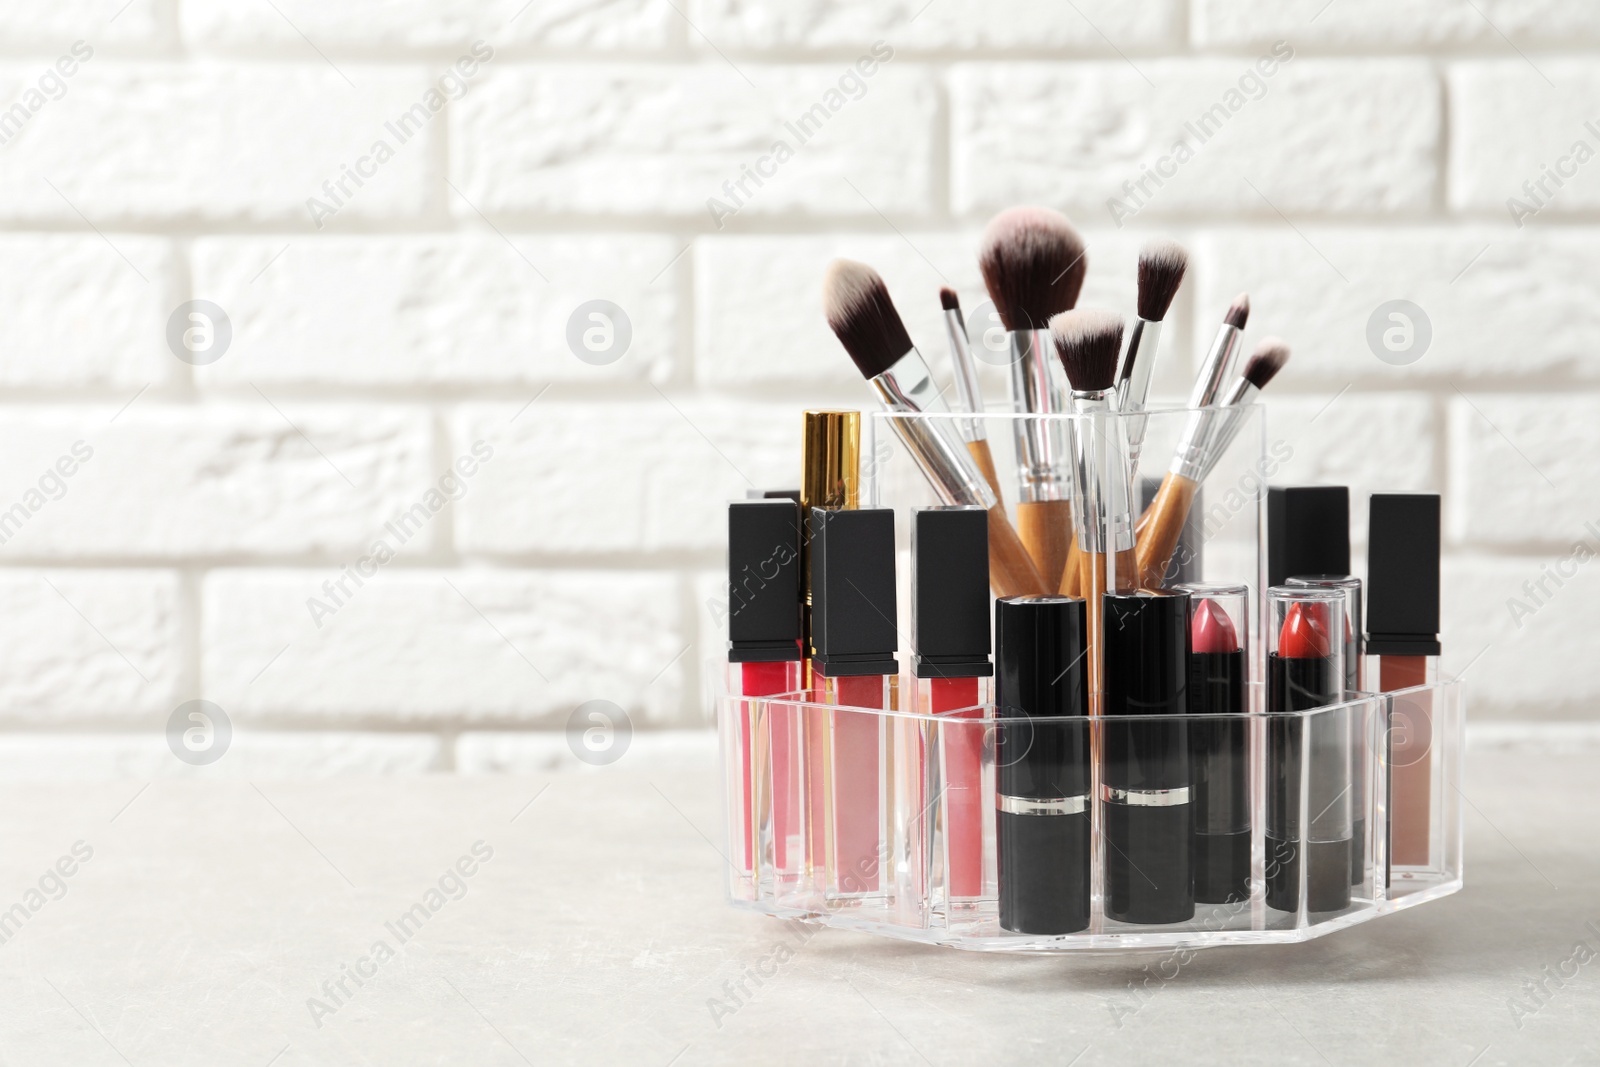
949, 300
858, 308
1267, 360
1088, 340
1033, 263
1238, 311
1161, 266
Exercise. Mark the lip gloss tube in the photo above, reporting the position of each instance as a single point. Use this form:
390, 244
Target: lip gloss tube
1219, 748
950, 662
1042, 764
1403, 636
1354, 682
1308, 757
854, 643
763, 661
1145, 778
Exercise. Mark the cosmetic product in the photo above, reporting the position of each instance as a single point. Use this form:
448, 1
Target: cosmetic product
1308, 531
1219, 748
1042, 765
1188, 558
1145, 778
969, 397
950, 662
830, 478
1403, 637
1360, 729
763, 656
1033, 263
865, 321
854, 666
1162, 264
1088, 341
1308, 756
1206, 436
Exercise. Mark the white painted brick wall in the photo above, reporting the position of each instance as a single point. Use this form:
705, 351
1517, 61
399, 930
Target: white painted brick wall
431, 312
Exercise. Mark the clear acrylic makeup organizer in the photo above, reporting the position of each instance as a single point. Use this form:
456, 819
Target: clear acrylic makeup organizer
935, 775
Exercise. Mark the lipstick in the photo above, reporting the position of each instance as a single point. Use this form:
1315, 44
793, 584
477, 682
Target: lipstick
763, 660
830, 478
1403, 636
950, 661
1042, 770
854, 667
1145, 778
1219, 748
1308, 756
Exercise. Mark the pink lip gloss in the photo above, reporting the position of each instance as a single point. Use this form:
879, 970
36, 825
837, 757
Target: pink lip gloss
764, 623
854, 667
950, 645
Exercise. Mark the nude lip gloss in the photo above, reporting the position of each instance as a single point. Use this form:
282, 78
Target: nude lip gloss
950, 645
1042, 764
1308, 756
1145, 786
1403, 635
1219, 748
854, 644
763, 660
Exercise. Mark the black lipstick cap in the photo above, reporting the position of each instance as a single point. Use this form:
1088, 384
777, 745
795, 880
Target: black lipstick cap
950, 593
1308, 531
1042, 764
852, 592
1403, 574
763, 581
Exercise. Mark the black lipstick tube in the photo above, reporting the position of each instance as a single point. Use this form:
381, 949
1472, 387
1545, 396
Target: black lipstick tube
1042, 764
1308, 756
1219, 741
1146, 778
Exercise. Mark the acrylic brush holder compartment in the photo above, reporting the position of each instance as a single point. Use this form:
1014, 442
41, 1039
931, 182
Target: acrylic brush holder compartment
891, 822
850, 803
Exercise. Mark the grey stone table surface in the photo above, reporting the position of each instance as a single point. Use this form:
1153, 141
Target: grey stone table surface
578, 918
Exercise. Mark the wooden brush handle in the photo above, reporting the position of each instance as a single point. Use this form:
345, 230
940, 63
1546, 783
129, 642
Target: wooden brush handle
985, 461
1011, 569
1168, 512
1072, 573
1099, 574
1046, 528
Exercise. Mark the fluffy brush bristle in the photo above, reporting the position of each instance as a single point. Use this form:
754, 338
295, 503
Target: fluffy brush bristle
1033, 263
1088, 340
949, 300
1267, 360
858, 307
1238, 311
1161, 266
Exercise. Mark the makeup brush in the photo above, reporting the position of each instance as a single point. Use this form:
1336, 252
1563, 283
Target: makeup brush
1214, 369
864, 319
968, 396
1161, 267
1033, 263
1204, 441
1089, 341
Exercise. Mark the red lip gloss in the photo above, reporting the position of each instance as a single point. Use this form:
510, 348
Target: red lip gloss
1403, 625
950, 644
1308, 755
854, 644
763, 660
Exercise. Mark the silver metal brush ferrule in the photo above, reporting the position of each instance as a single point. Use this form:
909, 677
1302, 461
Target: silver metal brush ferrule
935, 444
1102, 495
968, 396
1194, 445
1133, 386
1041, 443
